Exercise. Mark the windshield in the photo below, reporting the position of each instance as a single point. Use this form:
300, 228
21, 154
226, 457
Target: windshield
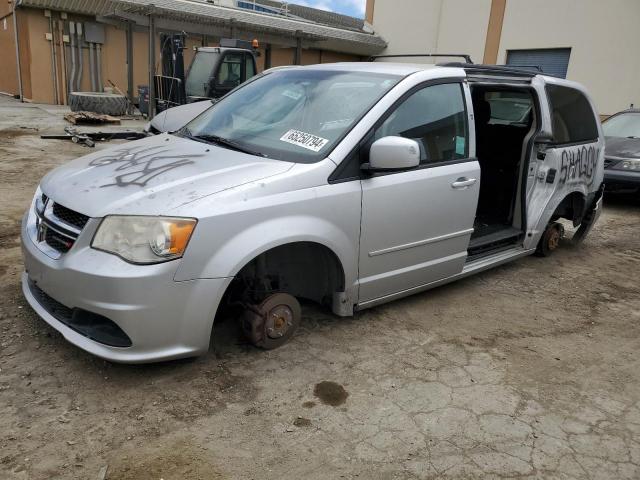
623, 125
199, 73
294, 115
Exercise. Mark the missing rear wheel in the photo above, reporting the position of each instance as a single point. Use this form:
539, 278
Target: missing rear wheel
550, 240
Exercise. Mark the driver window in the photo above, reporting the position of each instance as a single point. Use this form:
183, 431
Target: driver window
230, 71
434, 117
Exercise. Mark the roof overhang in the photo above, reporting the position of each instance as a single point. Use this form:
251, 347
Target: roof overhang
196, 16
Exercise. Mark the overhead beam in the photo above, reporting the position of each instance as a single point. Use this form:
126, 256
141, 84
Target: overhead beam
284, 40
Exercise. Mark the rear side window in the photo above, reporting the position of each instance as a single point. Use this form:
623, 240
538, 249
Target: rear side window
572, 117
510, 108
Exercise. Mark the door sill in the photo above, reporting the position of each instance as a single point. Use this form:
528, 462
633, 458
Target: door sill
492, 259
497, 241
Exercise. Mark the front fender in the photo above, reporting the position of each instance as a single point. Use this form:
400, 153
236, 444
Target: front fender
240, 249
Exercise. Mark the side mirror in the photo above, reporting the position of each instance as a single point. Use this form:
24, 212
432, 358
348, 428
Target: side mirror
393, 153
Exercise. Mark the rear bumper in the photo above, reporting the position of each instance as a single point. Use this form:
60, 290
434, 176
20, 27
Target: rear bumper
591, 215
163, 319
620, 179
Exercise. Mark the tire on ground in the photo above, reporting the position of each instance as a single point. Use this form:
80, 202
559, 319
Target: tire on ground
107, 103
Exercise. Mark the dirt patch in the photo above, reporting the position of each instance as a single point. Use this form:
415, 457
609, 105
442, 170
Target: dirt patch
9, 236
330, 393
171, 462
10, 134
302, 422
535, 353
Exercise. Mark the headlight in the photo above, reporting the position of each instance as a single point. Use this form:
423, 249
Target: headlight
144, 239
630, 165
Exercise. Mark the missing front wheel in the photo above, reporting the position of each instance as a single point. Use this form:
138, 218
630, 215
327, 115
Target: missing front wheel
273, 322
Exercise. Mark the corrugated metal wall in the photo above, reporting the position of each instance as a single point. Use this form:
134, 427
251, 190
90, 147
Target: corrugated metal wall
552, 61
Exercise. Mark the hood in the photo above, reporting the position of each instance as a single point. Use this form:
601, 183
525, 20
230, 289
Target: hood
153, 176
622, 147
177, 117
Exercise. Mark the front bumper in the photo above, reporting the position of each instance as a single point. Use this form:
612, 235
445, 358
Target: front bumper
164, 319
621, 179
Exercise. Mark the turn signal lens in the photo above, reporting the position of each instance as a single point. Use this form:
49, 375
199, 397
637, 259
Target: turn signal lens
180, 235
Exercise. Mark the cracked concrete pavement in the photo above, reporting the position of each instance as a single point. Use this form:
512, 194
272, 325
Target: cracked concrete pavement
530, 370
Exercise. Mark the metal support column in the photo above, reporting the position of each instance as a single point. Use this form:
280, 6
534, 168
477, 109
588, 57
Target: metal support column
17, 40
152, 66
130, 66
297, 58
232, 28
267, 56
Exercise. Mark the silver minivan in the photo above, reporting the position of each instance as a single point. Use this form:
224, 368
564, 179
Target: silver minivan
349, 185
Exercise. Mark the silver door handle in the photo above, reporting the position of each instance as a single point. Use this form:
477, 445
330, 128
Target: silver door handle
463, 182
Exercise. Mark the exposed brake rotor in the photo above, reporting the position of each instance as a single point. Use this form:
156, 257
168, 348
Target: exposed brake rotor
273, 322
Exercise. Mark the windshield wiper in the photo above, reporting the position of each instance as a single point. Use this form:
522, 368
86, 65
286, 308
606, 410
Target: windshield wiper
225, 142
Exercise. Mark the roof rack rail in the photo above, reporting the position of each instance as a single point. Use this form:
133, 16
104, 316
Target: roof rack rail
496, 69
467, 58
522, 67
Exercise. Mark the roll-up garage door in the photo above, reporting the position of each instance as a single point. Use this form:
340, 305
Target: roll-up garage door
552, 61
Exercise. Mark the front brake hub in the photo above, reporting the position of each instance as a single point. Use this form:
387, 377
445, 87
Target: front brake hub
273, 322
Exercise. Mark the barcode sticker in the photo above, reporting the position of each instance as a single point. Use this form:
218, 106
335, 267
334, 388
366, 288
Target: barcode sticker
304, 140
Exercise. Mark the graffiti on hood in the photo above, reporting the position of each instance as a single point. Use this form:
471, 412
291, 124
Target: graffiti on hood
140, 165
578, 163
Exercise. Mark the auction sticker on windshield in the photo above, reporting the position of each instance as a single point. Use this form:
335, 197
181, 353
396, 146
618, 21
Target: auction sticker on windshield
304, 140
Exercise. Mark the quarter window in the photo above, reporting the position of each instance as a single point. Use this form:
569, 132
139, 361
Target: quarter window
572, 117
434, 117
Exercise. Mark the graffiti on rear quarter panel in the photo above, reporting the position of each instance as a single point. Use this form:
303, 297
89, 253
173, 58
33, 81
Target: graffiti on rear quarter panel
579, 164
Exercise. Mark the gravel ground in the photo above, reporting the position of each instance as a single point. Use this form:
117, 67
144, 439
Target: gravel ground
530, 370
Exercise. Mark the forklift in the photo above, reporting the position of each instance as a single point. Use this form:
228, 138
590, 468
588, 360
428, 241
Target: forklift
214, 71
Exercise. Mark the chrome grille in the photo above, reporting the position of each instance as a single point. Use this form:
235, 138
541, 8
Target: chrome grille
57, 226
58, 242
67, 215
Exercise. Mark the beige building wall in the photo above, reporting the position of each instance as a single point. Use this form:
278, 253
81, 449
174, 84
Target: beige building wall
8, 73
432, 26
604, 37
38, 67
